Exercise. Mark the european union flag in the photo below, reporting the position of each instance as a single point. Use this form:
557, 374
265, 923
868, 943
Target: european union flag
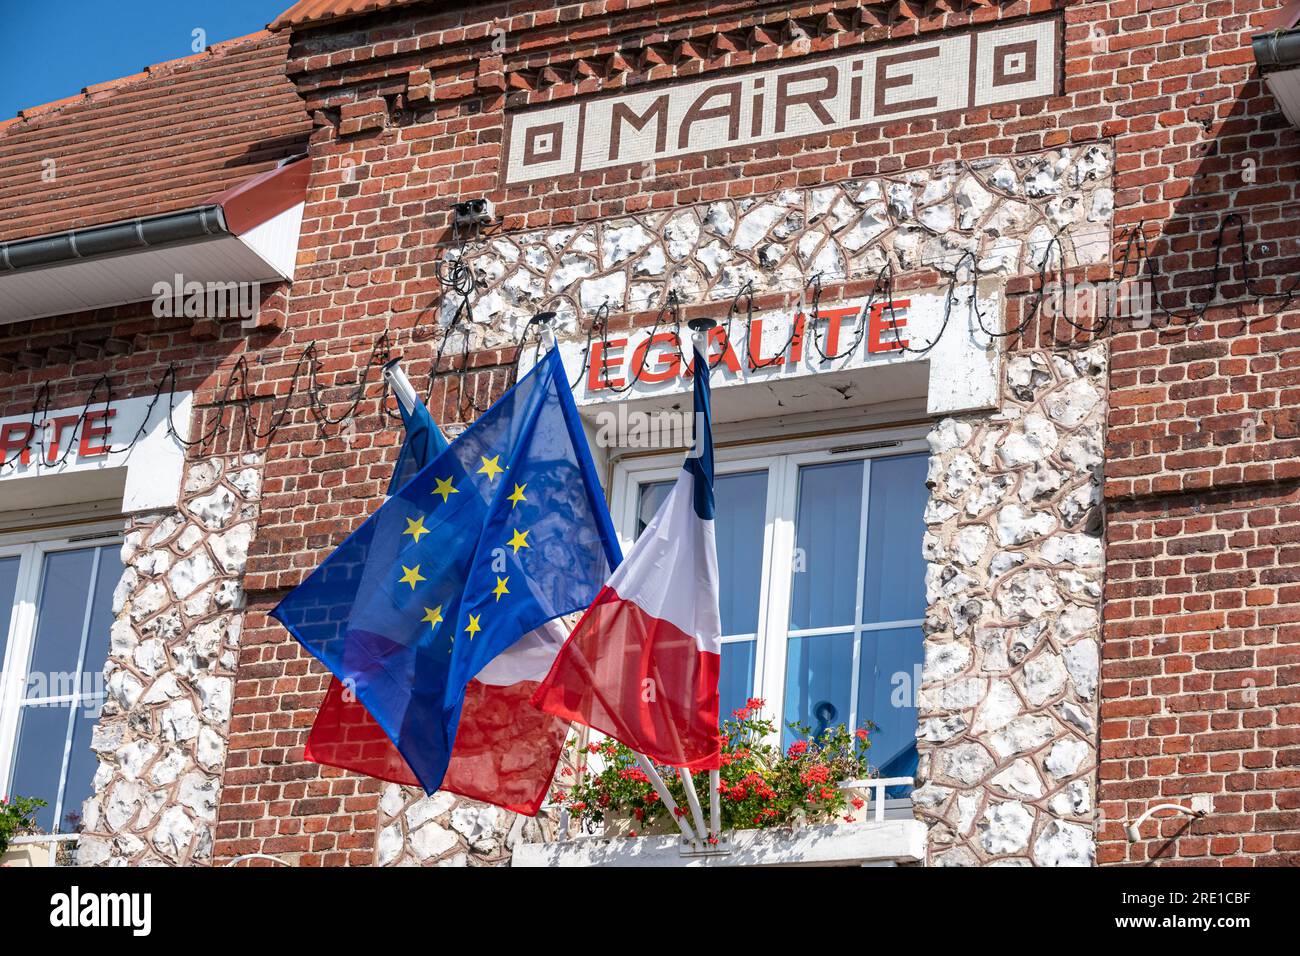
423, 442
503, 531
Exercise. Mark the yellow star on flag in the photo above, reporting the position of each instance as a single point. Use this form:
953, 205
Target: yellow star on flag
416, 528
432, 615
501, 588
518, 540
517, 496
472, 627
491, 466
411, 576
442, 486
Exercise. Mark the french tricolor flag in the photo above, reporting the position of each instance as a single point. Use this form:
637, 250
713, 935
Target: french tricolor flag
642, 664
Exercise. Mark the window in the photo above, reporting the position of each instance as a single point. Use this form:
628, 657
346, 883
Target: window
823, 582
56, 599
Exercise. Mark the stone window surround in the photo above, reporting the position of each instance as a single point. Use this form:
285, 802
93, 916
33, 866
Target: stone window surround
149, 473
1010, 685
1071, 183
178, 616
919, 222
187, 525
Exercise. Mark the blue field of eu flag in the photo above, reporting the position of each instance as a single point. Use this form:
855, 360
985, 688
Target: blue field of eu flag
503, 531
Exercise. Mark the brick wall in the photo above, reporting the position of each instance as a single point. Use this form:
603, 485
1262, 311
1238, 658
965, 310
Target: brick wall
1199, 683
128, 344
1199, 678
409, 112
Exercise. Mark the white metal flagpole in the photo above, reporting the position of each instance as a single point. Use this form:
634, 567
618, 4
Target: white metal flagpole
715, 806
661, 788
700, 329
694, 800
402, 388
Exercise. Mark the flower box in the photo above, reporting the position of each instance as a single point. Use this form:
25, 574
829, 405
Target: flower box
875, 843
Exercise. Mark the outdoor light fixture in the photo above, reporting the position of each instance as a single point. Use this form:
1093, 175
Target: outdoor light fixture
1200, 807
473, 212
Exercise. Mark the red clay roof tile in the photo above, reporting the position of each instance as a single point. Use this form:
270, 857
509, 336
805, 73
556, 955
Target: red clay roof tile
166, 139
311, 12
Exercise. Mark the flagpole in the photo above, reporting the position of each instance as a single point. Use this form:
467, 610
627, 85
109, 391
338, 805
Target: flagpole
693, 799
545, 332
688, 781
662, 789
402, 388
700, 329
715, 810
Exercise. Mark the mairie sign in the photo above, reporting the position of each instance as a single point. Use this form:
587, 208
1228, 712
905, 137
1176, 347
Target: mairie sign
952, 362
950, 73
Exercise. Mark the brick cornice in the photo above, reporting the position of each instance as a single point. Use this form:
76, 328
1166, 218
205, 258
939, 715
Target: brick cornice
432, 56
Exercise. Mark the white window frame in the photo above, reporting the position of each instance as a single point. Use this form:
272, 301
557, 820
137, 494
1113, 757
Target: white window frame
782, 459
31, 547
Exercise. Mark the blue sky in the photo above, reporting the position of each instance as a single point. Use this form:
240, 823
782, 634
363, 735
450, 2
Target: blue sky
50, 49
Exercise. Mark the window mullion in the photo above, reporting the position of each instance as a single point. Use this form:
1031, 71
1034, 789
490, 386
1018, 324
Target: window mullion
780, 573
72, 711
762, 636
21, 630
859, 612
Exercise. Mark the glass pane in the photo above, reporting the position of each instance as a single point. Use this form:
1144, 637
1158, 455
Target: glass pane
101, 619
41, 736
60, 617
894, 586
736, 682
826, 545
82, 764
8, 585
652, 496
739, 519
889, 671
818, 683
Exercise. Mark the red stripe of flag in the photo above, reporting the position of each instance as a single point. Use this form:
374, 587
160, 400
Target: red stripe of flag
505, 752
641, 680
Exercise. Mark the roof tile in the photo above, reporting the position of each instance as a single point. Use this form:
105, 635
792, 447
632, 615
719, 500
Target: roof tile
311, 12
166, 139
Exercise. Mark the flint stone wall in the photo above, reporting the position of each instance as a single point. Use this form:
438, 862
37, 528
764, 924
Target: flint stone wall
1008, 699
448, 830
1004, 211
162, 733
